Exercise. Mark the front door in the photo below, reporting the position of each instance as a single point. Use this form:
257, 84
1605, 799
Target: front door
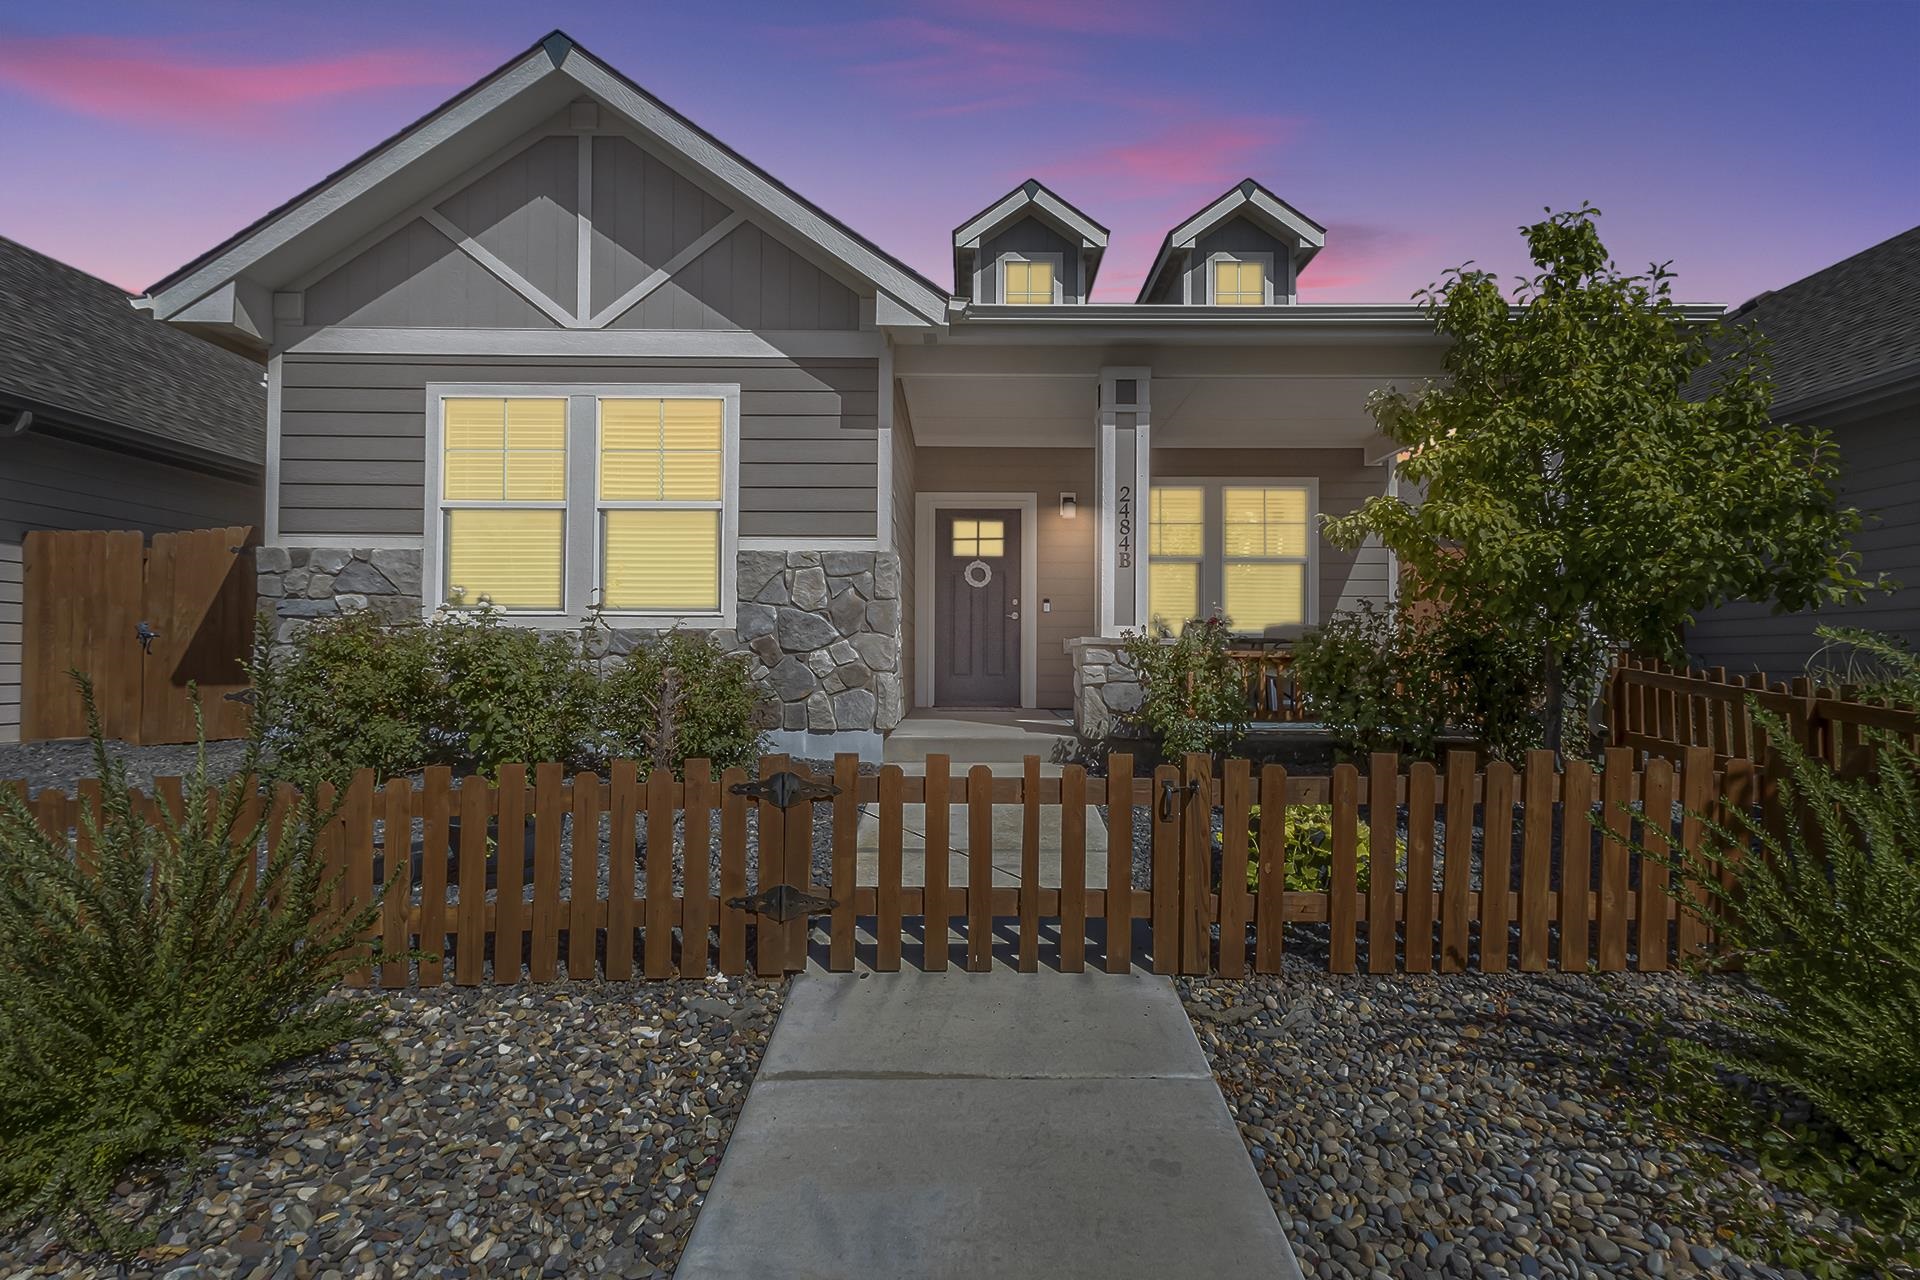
976, 644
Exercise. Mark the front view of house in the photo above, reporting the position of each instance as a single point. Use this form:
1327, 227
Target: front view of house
556, 348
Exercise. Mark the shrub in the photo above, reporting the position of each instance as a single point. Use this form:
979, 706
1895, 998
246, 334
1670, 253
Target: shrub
509, 693
355, 693
1823, 916
1310, 849
678, 698
145, 1003
1395, 680
1193, 697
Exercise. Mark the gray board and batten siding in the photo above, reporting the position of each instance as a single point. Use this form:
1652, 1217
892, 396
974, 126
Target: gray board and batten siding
353, 437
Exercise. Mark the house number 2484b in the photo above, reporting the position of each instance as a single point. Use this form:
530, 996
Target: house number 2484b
1123, 525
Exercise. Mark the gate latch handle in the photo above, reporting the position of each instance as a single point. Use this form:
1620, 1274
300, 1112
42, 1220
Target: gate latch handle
146, 635
1168, 788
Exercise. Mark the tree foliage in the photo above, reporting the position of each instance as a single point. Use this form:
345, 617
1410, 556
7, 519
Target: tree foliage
1579, 488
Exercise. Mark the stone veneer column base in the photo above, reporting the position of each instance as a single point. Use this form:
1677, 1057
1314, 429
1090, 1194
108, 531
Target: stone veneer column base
1106, 688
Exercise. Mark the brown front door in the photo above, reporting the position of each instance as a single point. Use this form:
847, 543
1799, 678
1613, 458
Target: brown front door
976, 644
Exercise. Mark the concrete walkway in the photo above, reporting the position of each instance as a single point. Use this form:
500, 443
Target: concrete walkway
1008, 1125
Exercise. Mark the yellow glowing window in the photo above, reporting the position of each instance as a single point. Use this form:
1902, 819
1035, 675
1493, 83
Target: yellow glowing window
1176, 543
510, 557
1173, 592
505, 450
1239, 284
979, 539
1264, 543
1029, 282
661, 560
662, 480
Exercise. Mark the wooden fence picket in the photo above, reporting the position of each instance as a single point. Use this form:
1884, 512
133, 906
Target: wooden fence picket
657, 946
1165, 885
1196, 864
696, 870
1119, 905
937, 918
623, 839
1073, 867
1270, 881
1656, 830
510, 879
733, 872
1576, 866
1342, 906
1696, 799
583, 890
1421, 786
396, 843
846, 841
979, 869
887, 907
435, 809
1496, 867
1617, 832
1456, 870
1536, 862
470, 916
549, 781
1383, 863
1029, 890
1236, 804
769, 950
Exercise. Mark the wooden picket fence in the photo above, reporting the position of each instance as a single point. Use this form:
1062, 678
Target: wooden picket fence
1665, 711
661, 916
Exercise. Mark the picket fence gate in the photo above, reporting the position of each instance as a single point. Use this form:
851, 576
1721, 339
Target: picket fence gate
659, 917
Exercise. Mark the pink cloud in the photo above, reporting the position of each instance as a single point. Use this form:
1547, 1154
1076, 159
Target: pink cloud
1218, 153
1356, 257
1113, 17
145, 81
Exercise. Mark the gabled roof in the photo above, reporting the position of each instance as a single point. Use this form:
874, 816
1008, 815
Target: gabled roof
1031, 199
457, 134
1844, 330
1247, 200
75, 352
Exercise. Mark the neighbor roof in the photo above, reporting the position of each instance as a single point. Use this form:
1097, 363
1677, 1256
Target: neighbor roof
75, 352
1248, 199
1846, 329
556, 54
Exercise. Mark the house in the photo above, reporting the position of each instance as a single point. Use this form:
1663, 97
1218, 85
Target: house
110, 421
1845, 344
555, 346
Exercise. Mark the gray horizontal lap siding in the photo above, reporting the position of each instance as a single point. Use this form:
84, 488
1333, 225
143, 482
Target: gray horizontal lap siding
353, 437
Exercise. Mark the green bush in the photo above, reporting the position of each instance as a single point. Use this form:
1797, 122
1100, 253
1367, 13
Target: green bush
473, 692
1193, 696
143, 1006
1310, 849
1391, 680
680, 698
1824, 921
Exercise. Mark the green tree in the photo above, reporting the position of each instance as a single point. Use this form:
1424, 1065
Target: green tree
1579, 488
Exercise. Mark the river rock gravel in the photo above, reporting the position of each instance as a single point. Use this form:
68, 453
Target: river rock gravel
529, 1131
1468, 1125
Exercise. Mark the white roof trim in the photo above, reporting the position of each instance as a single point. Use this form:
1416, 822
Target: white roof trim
1272, 211
1015, 203
761, 194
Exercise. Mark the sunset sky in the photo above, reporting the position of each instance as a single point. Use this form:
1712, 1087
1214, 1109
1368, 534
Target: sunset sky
1750, 143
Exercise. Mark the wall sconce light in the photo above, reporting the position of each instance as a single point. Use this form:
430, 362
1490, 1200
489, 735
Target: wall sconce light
1069, 506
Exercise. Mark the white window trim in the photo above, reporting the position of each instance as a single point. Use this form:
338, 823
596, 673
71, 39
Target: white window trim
582, 542
1213, 560
1263, 258
1012, 255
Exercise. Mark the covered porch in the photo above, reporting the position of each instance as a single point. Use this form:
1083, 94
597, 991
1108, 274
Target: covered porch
1055, 488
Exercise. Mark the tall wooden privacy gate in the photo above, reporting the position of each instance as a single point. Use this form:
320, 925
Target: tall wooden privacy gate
144, 622
1532, 868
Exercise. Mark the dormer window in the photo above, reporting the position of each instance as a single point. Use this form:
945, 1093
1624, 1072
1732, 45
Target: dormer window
1032, 280
1240, 280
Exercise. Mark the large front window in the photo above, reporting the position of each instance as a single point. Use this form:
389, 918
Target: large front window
1244, 548
552, 503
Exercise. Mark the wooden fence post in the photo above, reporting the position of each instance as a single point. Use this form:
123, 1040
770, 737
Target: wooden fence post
1196, 865
1269, 931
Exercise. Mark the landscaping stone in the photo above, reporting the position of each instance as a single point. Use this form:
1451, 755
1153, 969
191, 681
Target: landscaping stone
1468, 1125
566, 1130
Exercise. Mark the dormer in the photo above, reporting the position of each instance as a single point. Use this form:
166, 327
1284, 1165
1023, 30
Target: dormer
1029, 248
1245, 249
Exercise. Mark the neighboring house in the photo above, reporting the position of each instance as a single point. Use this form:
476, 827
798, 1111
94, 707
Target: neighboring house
1845, 343
555, 345
109, 420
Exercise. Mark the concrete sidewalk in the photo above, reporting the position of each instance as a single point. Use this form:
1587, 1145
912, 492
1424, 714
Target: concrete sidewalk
1008, 1125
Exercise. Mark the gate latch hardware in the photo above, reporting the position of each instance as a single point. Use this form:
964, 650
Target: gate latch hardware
783, 902
1168, 788
146, 635
785, 789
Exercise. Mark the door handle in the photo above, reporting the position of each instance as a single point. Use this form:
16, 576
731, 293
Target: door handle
1014, 616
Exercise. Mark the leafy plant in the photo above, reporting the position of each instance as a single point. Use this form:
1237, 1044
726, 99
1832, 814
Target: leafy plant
510, 693
1575, 486
679, 697
1823, 918
1398, 680
144, 1002
1878, 667
1309, 849
1193, 696
355, 693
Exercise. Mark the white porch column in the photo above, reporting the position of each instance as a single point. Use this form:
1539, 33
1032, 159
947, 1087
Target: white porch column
1122, 434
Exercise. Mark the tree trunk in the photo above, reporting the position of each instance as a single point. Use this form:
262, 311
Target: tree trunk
1556, 695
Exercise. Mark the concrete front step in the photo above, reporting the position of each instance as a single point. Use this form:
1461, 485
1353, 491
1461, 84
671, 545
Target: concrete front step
982, 737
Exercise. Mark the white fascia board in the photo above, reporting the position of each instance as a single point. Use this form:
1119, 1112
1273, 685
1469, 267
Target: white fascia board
1017, 203
1276, 215
766, 197
376, 169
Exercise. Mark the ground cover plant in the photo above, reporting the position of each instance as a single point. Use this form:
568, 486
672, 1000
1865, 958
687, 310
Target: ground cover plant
146, 995
1309, 849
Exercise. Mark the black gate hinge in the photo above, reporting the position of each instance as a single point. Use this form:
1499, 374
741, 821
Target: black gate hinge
785, 789
783, 902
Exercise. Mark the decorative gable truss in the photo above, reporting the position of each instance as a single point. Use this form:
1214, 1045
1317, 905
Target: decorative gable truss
576, 229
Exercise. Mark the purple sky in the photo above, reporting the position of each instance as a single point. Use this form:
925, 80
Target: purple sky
1749, 142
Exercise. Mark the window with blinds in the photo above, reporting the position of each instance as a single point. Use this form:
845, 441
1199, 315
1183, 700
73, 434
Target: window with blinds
1176, 549
1028, 282
662, 476
1239, 284
504, 498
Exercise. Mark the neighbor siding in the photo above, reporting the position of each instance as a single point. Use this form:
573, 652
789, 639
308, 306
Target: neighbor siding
1029, 235
53, 484
353, 437
1881, 476
1064, 550
1346, 577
